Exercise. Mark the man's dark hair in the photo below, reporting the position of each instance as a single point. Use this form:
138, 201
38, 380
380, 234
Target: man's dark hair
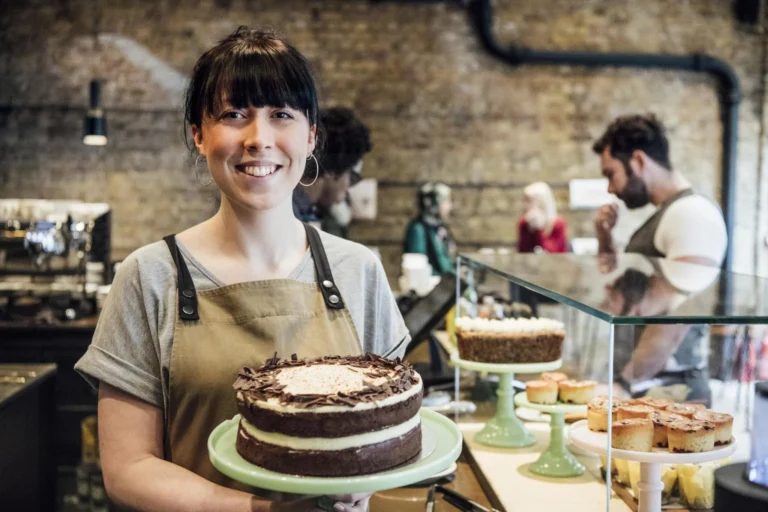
345, 141
627, 134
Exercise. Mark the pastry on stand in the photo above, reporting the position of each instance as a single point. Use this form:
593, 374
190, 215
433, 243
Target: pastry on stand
556, 460
650, 486
505, 430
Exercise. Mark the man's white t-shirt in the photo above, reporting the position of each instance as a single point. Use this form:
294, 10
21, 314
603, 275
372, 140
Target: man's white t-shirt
692, 226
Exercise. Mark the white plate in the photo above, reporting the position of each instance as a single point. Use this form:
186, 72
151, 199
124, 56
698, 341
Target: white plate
596, 442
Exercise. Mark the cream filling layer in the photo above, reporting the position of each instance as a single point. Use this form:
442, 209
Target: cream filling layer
273, 404
331, 444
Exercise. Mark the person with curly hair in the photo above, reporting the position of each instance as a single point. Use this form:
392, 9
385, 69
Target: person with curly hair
346, 140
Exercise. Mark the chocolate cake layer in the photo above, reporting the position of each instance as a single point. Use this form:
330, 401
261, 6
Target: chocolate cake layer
360, 460
330, 424
505, 348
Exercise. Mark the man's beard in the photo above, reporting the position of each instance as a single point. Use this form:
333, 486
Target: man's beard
635, 194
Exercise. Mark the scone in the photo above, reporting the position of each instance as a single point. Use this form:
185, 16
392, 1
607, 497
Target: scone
657, 403
690, 436
723, 424
627, 412
541, 392
577, 392
554, 376
635, 434
661, 419
687, 410
597, 413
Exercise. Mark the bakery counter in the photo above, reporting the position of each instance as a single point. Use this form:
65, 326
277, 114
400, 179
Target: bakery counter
61, 344
413, 499
26, 428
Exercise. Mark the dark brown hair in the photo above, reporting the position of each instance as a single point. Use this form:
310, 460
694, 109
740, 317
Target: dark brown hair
627, 134
251, 67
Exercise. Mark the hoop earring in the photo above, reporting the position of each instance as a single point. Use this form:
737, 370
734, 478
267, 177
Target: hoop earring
210, 178
317, 171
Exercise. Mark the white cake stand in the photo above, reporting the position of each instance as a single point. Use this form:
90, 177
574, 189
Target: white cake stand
505, 430
556, 460
650, 485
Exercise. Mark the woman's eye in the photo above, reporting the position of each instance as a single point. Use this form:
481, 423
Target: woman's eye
283, 115
232, 115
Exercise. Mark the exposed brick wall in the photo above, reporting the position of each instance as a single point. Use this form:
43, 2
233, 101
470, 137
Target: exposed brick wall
438, 106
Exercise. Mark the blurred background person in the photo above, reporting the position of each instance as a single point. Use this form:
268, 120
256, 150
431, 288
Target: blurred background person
428, 233
541, 229
322, 201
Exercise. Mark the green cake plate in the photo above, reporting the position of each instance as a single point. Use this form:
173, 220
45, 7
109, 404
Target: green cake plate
441, 446
505, 430
556, 460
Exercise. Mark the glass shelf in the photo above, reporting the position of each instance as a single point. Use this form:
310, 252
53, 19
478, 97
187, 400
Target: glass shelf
630, 289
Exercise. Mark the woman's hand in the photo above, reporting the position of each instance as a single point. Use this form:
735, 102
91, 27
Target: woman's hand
341, 503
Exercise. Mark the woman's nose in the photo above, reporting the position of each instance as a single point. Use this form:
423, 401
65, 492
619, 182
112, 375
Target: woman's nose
259, 135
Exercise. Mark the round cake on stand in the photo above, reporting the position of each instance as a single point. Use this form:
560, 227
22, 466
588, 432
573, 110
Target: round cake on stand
556, 460
650, 485
505, 430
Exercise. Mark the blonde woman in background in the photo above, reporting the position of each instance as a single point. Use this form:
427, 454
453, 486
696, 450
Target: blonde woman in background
541, 229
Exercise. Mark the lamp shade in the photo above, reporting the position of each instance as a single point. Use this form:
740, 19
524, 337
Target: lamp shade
95, 125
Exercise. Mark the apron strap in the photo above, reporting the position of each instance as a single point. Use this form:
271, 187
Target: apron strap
186, 288
323, 269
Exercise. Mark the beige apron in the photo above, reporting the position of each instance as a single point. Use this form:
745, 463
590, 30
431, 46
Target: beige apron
219, 331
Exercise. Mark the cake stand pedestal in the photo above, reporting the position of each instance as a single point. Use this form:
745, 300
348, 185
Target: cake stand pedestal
650, 485
556, 460
505, 430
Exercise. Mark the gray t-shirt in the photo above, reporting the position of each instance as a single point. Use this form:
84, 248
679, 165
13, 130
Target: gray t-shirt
131, 348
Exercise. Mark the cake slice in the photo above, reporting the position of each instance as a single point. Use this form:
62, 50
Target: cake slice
627, 412
577, 392
597, 413
657, 403
690, 436
723, 424
661, 419
554, 376
687, 410
635, 434
541, 392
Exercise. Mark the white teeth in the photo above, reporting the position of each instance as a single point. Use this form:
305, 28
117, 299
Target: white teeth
260, 170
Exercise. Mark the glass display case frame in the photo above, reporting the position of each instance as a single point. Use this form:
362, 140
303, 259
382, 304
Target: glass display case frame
634, 297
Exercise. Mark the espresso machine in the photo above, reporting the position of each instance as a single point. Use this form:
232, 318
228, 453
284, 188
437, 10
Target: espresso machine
54, 255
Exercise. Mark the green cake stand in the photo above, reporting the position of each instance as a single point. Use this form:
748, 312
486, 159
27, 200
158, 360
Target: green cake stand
441, 446
505, 430
556, 460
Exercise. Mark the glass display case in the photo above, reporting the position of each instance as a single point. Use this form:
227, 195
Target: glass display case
639, 328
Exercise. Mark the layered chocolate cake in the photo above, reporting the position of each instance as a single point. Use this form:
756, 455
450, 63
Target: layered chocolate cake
511, 340
331, 416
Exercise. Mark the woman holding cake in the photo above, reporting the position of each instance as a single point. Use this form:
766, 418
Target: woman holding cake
186, 314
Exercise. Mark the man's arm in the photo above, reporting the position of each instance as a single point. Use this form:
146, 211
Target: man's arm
656, 345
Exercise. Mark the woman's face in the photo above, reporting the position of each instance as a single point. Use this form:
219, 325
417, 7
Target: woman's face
256, 155
446, 206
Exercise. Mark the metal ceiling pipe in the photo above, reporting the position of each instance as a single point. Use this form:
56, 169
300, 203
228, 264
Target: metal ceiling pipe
729, 91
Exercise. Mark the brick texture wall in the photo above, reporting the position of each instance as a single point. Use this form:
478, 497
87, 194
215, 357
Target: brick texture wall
438, 106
